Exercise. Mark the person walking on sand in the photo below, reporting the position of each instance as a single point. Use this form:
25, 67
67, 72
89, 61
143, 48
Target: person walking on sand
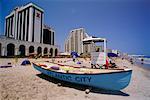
131, 60
142, 60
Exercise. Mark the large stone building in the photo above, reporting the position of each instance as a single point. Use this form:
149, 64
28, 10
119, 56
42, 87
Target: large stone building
74, 41
25, 23
25, 33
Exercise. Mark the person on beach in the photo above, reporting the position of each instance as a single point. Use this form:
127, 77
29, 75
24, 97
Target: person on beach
74, 58
142, 60
131, 60
111, 63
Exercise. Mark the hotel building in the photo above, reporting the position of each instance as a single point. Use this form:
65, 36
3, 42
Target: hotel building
26, 34
74, 41
25, 23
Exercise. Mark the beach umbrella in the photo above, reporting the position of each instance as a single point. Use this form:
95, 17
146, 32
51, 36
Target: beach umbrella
112, 55
25, 62
74, 54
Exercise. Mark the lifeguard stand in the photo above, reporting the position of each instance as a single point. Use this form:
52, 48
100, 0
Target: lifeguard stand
98, 58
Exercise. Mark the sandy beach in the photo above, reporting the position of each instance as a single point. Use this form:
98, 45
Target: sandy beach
25, 83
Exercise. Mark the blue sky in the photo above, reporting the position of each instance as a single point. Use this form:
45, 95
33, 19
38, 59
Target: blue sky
125, 23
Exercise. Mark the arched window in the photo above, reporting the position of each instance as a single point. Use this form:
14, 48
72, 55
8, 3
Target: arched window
10, 49
45, 50
51, 52
39, 50
22, 50
31, 49
56, 52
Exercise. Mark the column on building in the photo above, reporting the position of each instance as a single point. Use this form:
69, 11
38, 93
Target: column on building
27, 50
13, 26
25, 25
15, 23
21, 26
9, 28
16, 50
4, 50
30, 24
18, 26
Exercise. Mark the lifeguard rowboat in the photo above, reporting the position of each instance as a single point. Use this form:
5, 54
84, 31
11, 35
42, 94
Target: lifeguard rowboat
109, 79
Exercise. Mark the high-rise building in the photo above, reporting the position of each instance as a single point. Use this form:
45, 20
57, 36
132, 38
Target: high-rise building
48, 35
25, 23
74, 41
24, 33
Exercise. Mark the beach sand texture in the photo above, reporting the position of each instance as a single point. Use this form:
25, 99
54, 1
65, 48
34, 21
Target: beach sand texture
25, 83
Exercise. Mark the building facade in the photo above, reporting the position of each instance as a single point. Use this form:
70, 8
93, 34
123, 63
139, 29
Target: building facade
24, 33
11, 47
48, 35
74, 41
25, 23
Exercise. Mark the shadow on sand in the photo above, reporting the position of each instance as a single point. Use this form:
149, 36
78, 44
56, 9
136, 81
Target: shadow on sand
81, 87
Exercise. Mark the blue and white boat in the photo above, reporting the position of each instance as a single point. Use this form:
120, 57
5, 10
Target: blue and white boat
109, 79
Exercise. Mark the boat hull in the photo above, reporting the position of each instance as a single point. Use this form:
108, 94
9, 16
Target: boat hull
109, 81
